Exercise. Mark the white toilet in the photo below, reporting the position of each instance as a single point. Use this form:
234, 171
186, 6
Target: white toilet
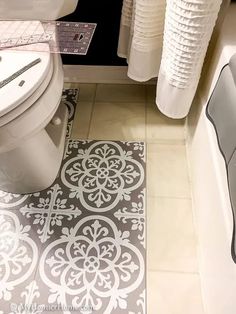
32, 120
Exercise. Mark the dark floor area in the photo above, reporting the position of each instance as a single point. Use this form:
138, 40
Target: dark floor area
103, 49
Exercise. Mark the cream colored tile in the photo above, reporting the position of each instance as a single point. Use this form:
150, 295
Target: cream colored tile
174, 293
87, 92
167, 172
118, 121
120, 93
67, 85
160, 128
171, 238
71, 85
82, 120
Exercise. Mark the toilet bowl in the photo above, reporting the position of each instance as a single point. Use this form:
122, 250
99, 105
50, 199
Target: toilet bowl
32, 121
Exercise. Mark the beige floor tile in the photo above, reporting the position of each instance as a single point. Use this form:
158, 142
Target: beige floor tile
160, 128
87, 92
71, 85
120, 93
171, 238
167, 171
173, 293
82, 120
118, 121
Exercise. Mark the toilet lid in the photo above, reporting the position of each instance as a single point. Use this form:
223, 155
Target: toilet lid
32, 68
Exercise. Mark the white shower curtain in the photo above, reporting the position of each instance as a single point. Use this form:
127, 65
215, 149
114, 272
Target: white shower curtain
168, 39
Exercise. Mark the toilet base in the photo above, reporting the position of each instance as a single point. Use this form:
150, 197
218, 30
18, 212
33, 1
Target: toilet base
34, 165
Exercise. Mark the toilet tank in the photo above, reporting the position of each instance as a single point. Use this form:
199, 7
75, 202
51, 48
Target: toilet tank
36, 9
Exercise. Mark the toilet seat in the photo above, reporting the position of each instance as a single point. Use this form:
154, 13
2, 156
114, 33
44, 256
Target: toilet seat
37, 115
14, 98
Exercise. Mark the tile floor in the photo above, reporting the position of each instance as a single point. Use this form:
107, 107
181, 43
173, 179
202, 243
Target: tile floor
128, 112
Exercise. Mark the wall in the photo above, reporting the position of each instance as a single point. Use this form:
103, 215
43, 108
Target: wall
103, 49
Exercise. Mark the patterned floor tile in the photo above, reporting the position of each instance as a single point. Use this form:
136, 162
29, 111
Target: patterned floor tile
48, 210
102, 174
85, 234
70, 99
93, 250
19, 256
92, 266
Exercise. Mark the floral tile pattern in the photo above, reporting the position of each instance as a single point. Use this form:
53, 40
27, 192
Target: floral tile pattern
78, 246
47, 210
102, 174
70, 98
19, 255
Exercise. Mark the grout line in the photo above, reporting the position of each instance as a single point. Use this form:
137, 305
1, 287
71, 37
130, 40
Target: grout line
95, 93
92, 111
194, 219
139, 102
146, 108
167, 142
170, 197
173, 271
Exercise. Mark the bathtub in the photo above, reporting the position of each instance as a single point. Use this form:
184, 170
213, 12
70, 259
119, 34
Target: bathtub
211, 201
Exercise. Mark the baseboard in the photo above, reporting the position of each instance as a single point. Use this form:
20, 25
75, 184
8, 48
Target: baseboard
99, 74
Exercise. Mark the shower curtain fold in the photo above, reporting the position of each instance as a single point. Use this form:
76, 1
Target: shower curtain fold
141, 36
168, 39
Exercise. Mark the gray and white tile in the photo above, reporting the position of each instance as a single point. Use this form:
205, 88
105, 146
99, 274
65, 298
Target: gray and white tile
80, 244
96, 259
70, 99
19, 255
